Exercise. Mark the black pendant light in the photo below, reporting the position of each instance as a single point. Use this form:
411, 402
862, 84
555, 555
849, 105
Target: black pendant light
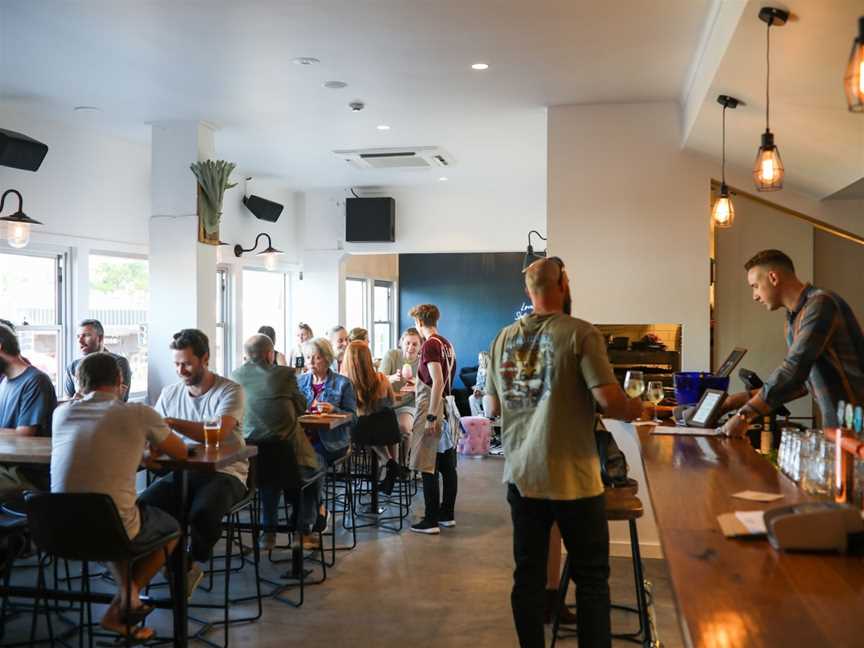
723, 212
768, 168
854, 79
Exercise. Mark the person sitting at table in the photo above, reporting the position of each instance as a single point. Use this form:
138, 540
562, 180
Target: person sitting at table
11, 326
374, 393
339, 342
91, 339
304, 334
393, 366
270, 332
185, 405
273, 406
327, 392
358, 334
478, 401
27, 400
97, 445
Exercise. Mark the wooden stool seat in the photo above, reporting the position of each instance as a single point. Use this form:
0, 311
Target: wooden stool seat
632, 487
622, 506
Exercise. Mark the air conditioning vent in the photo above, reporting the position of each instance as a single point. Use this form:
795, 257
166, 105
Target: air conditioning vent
422, 157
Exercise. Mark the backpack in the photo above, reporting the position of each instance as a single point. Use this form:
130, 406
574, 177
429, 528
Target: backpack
476, 434
613, 463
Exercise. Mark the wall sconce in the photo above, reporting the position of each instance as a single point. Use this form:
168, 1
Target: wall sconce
18, 224
854, 80
530, 255
269, 254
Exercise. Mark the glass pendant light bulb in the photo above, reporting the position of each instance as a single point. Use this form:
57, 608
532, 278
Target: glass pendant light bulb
270, 260
854, 79
18, 234
768, 169
724, 211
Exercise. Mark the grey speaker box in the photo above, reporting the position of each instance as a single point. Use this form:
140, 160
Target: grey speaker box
21, 152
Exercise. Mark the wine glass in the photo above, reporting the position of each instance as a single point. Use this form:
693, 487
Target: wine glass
654, 394
634, 383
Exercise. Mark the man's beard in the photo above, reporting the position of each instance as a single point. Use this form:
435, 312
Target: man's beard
3, 366
195, 379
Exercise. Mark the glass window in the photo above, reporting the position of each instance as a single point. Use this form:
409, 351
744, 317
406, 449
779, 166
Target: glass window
265, 296
30, 291
382, 303
119, 299
355, 303
221, 348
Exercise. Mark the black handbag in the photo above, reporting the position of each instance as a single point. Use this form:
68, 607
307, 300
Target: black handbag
613, 463
377, 429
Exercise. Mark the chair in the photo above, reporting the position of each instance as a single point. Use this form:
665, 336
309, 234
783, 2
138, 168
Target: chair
56, 528
13, 535
378, 429
621, 505
278, 468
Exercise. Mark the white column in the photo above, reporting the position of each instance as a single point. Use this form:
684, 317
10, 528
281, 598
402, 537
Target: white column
182, 270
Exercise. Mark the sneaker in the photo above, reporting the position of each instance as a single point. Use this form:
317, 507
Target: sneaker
193, 578
447, 523
267, 541
425, 526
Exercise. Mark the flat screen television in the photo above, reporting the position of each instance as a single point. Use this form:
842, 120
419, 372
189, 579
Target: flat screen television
370, 220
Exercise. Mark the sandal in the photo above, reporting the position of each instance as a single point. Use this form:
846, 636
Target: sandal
137, 615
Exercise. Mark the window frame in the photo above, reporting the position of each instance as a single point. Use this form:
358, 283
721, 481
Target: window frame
391, 290
223, 316
286, 310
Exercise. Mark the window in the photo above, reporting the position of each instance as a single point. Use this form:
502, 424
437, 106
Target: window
382, 327
355, 303
32, 298
119, 299
379, 322
265, 299
221, 352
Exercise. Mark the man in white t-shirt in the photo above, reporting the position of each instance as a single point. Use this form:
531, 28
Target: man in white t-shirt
200, 395
98, 442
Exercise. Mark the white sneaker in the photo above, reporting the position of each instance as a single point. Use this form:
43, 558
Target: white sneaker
447, 523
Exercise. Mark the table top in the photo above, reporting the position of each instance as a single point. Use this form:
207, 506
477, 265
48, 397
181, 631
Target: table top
741, 592
325, 421
30, 450
25, 450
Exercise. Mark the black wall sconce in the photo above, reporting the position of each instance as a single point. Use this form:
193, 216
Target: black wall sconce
269, 253
18, 224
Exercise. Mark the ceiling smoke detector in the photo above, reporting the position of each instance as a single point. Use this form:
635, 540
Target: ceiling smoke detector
356, 106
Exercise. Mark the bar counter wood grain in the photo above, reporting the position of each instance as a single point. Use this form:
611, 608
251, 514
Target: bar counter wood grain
734, 593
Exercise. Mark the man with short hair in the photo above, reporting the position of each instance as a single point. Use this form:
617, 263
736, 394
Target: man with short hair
825, 354
273, 407
97, 446
339, 340
185, 405
27, 400
91, 339
547, 374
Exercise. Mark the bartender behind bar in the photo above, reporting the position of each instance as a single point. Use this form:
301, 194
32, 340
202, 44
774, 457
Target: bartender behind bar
825, 346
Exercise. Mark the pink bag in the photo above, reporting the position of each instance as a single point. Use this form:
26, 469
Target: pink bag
476, 432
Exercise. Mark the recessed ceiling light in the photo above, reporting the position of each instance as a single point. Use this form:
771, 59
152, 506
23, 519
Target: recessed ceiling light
480, 66
305, 60
87, 109
335, 85
383, 127
442, 179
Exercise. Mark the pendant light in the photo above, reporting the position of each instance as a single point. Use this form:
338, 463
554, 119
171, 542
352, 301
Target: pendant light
854, 80
768, 169
723, 212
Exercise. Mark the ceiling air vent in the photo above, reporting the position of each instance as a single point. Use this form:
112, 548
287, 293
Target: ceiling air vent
421, 157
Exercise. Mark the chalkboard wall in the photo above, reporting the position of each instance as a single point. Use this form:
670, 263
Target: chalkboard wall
478, 294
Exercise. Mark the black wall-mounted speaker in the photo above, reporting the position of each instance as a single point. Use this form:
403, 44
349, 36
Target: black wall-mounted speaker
21, 152
262, 208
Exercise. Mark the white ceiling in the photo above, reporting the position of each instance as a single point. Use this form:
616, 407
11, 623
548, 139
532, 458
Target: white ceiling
408, 60
821, 143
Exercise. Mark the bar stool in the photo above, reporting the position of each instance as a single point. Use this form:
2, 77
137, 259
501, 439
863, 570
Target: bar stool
340, 503
13, 534
621, 505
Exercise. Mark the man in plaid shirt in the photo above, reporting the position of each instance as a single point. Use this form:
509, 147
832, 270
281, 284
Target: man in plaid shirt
825, 353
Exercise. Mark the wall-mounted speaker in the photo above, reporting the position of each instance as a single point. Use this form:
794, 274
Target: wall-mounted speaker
21, 152
262, 208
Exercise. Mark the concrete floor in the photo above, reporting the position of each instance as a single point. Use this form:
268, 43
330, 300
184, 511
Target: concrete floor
413, 590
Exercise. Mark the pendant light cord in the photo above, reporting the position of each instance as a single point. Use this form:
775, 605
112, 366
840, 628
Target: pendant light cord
768, 75
723, 165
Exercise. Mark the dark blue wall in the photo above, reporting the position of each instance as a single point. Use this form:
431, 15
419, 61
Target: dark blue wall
478, 294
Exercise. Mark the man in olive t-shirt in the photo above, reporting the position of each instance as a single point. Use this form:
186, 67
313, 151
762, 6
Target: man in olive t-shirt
548, 372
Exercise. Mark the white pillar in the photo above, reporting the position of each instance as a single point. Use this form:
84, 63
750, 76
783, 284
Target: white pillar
182, 270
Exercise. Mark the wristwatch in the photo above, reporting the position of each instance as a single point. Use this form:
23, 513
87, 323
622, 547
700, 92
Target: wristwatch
431, 418
744, 413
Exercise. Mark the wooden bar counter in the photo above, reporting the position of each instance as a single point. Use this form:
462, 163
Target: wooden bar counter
735, 593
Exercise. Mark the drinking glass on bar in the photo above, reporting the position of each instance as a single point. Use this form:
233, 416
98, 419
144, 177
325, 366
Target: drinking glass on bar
654, 394
634, 383
212, 427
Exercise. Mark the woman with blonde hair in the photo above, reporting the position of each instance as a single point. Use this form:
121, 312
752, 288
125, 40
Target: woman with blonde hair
374, 393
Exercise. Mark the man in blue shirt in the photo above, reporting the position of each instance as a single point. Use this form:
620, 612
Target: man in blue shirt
91, 339
27, 400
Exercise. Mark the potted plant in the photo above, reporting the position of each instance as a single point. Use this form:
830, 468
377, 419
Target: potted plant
213, 176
